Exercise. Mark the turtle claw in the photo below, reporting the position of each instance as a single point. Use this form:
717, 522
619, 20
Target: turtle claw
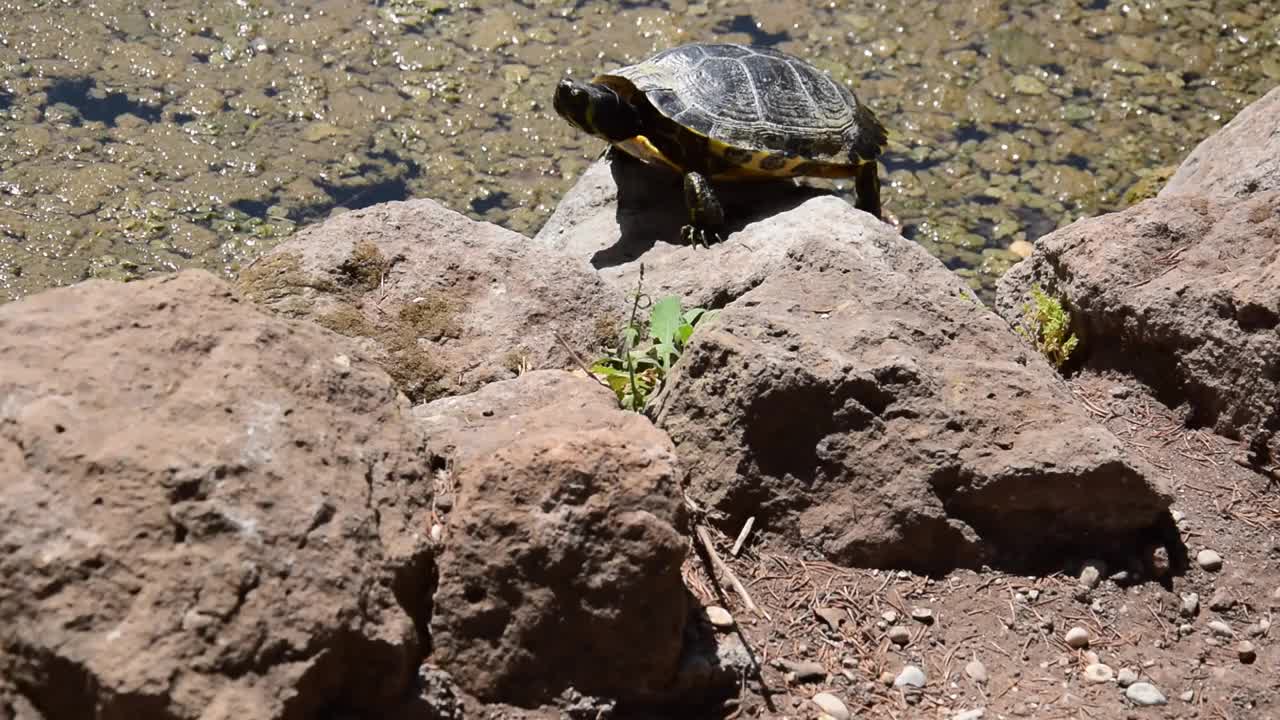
699, 236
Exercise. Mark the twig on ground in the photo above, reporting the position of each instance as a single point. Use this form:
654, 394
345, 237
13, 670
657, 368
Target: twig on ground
724, 569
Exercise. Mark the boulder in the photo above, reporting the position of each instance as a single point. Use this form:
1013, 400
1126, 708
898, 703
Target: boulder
445, 303
1239, 160
861, 403
1183, 293
205, 510
562, 553
622, 214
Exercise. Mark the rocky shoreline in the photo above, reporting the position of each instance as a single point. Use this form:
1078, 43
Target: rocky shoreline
371, 479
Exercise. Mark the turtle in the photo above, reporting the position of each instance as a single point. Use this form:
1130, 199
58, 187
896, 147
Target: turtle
719, 111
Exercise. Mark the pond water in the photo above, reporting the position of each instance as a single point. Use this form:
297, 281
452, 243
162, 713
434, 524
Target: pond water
139, 137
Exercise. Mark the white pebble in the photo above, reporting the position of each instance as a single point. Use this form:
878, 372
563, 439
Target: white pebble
1190, 604
974, 714
1092, 573
1209, 560
976, 671
1126, 677
1145, 694
719, 617
1099, 673
1077, 638
1187, 695
831, 705
922, 615
1220, 628
911, 676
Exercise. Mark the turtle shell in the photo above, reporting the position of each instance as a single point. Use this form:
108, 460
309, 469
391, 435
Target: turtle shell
765, 112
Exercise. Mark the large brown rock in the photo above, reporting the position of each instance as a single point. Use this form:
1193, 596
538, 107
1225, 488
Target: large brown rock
205, 511
860, 402
622, 214
445, 303
562, 554
1239, 160
1182, 292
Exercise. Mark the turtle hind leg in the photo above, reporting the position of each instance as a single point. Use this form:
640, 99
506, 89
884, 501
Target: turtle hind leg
867, 185
706, 215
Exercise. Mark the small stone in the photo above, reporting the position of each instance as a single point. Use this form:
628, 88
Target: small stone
976, 671
1209, 560
831, 705
833, 617
1145, 694
1077, 638
1178, 516
1254, 630
1126, 677
1032, 595
1187, 695
1159, 559
437, 532
911, 676
922, 615
1021, 248
1190, 605
974, 714
719, 617
1122, 577
1027, 85
899, 635
1092, 573
1089, 658
889, 616
1221, 600
1247, 652
887, 678
1217, 627
1186, 629
1046, 624
1099, 673
803, 671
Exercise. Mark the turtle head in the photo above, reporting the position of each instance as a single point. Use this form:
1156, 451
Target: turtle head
596, 109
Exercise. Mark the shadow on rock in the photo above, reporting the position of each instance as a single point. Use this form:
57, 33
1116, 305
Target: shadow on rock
651, 209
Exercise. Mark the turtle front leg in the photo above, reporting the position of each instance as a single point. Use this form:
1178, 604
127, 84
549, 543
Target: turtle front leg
706, 216
867, 185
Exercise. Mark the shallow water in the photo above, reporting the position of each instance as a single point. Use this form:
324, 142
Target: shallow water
138, 137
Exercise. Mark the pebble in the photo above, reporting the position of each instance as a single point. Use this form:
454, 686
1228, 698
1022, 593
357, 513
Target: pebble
1099, 673
974, 714
1178, 516
899, 635
1247, 652
831, 705
1022, 248
1187, 695
804, 671
1126, 677
911, 676
719, 617
1255, 630
889, 616
1027, 85
976, 671
1221, 600
1145, 694
1077, 638
1159, 559
1092, 573
1220, 628
922, 615
1190, 605
1209, 560
831, 616
887, 678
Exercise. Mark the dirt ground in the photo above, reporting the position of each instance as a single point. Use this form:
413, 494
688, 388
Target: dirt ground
1015, 626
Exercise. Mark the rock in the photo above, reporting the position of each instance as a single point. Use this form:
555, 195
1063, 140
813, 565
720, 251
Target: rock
1077, 638
719, 617
803, 671
832, 706
922, 615
566, 525
1190, 605
1241, 159
1217, 627
887, 678
1158, 560
833, 618
889, 616
1092, 574
1178, 516
976, 671
1126, 677
1098, 673
905, 405
1187, 695
899, 635
611, 233
1254, 630
1209, 560
974, 714
911, 676
1222, 600
445, 303
214, 512
1165, 293
1246, 652
1145, 694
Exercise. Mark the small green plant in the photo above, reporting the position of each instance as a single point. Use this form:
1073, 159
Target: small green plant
1048, 326
636, 369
